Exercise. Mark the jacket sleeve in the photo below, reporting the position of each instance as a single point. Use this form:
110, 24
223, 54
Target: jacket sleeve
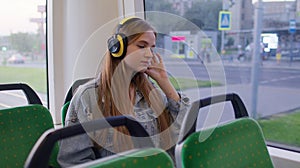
178, 109
77, 149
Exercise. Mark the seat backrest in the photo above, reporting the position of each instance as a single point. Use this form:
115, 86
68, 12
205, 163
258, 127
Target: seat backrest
190, 119
136, 158
40, 154
21, 127
69, 96
73, 88
32, 97
64, 111
239, 143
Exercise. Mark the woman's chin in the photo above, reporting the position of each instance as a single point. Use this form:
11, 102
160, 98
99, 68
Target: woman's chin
142, 69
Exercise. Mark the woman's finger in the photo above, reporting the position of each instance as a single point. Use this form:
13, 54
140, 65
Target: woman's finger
159, 57
155, 59
152, 61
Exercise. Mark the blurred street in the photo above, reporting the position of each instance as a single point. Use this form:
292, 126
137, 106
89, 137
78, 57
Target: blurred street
278, 91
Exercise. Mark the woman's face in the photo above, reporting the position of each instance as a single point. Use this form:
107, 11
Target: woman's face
139, 54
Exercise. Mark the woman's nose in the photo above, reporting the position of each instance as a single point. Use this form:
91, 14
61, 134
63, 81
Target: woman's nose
149, 52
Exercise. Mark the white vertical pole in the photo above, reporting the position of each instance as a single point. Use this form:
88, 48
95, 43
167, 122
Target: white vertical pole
222, 31
256, 61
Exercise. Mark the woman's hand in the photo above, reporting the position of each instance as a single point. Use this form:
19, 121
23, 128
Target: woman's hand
158, 72
157, 69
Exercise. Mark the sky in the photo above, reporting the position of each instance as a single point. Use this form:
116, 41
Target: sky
15, 15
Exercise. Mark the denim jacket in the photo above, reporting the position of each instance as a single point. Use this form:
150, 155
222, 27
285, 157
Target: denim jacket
83, 107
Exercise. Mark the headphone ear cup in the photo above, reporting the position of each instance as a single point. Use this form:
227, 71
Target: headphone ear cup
113, 44
117, 45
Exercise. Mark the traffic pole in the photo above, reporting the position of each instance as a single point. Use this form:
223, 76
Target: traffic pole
256, 61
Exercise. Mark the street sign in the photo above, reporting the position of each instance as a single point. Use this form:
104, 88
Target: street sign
224, 20
41, 8
292, 28
38, 20
178, 38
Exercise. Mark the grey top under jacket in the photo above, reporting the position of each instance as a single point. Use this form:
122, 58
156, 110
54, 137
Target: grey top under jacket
83, 107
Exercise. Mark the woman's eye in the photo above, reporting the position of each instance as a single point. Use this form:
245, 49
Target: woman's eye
141, 46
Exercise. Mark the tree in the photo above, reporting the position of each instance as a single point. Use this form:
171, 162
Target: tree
160, 21
160, 5
204, 14
25, 42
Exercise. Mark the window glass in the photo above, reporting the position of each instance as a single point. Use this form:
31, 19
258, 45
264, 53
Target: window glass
22, 49
263, 72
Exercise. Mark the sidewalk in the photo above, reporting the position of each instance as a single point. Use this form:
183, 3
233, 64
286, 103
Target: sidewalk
270, 63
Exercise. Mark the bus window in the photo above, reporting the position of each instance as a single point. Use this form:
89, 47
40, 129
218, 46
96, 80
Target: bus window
269, 87
23, 49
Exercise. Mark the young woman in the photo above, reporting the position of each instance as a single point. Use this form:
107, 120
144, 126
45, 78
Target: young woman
133, 81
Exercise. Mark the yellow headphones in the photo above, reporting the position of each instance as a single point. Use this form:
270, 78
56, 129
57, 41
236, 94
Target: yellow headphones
117, 44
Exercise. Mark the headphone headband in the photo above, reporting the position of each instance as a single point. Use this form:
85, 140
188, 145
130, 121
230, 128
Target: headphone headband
126, 20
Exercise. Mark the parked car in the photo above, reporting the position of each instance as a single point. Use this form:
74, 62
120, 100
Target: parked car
16, 59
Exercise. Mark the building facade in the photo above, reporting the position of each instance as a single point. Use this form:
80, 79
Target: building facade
276, 17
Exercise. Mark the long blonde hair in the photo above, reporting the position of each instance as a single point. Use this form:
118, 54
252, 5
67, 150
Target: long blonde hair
113, 77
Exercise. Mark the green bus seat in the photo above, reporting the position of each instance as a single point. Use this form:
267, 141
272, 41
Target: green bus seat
239, 143
136, 158
190, 119
69, 96
64, 112
21, 127
40, 153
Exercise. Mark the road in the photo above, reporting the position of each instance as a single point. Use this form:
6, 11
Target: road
40, 64
16, 98
278, 91
278, 77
